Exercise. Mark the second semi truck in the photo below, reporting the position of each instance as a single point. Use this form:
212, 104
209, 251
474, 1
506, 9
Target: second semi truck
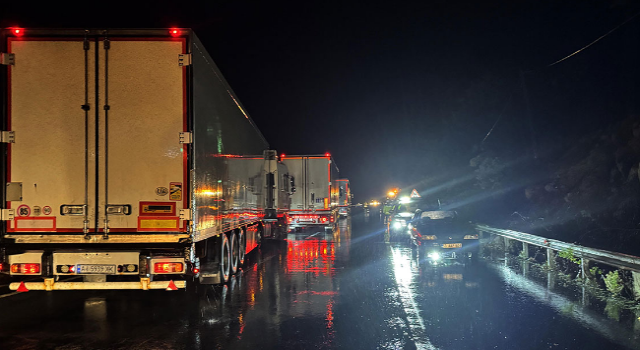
315, 201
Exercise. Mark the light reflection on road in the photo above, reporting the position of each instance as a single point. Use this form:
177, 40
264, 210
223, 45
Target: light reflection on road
405, 271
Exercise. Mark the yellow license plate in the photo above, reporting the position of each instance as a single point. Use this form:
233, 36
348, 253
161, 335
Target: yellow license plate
452, 276
452, 245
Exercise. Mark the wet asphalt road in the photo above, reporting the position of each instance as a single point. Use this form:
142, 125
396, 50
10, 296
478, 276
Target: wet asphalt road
346, 289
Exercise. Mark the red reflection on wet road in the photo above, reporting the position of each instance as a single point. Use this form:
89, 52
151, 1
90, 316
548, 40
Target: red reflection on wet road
317, 256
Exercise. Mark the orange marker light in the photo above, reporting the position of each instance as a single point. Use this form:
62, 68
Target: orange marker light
168, 267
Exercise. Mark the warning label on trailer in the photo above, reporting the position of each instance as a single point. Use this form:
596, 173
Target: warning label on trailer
24, 210
175, 191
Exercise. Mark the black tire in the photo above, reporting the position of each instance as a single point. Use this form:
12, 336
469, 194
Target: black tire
225, 259
242, 246
235, 251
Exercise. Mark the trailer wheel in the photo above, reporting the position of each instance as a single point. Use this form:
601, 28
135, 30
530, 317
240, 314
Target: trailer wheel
234, 251
225, 259
242, 246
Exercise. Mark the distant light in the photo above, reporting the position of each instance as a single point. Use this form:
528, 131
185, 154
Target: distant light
434, 255
391, 194
282, 155
327, 154
17, 31
174, 32
405, 200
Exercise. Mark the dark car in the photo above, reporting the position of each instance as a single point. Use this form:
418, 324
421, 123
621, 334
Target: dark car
440, 235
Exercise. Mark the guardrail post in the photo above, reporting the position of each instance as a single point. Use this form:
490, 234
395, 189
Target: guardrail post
506, 244
636, 284
551, 280
525, 250
551, 258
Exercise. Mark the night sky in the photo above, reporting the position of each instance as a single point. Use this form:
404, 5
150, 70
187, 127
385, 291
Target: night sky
401, 92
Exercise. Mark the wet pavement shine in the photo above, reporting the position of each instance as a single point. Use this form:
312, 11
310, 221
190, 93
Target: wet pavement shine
347, 289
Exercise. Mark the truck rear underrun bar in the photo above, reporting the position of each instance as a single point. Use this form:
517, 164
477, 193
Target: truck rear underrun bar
49, 285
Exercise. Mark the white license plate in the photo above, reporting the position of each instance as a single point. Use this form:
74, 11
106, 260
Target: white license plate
97, 269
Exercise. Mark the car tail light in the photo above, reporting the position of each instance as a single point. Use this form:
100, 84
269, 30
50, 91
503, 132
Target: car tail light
168, 267
175, 32
196, 270
17, 31
471, 236
324, 219
27, 269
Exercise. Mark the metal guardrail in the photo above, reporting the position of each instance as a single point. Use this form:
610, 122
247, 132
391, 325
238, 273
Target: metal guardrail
619, 260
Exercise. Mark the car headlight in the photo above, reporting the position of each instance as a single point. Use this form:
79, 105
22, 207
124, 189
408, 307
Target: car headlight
397, 225
434, 255
471, 236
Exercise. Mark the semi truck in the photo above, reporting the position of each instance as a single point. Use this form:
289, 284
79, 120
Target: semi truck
124, 162
344, 198
315, 201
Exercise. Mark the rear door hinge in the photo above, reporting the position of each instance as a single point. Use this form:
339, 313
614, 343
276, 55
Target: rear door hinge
185, 214
184, 59
8, 59
7, 214
7, 136
185, 137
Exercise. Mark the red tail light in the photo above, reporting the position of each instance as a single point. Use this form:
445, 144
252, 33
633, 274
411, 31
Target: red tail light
196, 270
168, 267
17, 31
327, 154
324, 219
175, 32
27, 269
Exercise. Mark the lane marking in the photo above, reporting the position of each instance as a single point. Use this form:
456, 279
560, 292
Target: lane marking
8, 295
405, 280
315, 234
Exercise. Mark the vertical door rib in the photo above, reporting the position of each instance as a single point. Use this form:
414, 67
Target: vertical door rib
97, 134
107, 45
86, 108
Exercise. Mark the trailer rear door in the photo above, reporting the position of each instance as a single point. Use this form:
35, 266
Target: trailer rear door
96, 120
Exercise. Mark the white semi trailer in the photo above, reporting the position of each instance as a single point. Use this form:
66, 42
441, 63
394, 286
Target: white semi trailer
315, 201
123, 162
